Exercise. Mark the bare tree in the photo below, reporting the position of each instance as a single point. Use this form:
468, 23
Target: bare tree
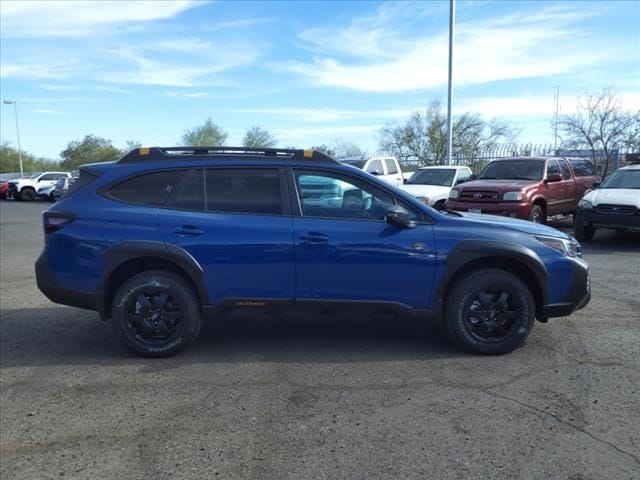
423, 138
345, 148
599, 124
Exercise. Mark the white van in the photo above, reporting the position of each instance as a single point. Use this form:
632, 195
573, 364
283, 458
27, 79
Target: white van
386, 168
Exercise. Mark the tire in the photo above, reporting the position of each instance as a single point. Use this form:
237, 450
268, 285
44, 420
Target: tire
168, 317
536, 215
583, 232
480, 319
27, 195
439, 205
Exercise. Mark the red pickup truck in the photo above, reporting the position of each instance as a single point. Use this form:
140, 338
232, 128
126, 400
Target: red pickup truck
526, 187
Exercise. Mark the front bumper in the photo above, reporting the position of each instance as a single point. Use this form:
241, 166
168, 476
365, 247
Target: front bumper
578, 295
504, 209
58, 294
591, 218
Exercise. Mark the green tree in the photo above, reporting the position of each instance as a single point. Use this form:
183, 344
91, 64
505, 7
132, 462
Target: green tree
257, 137
10, 161
423, 137
206, 135
131, 145
90, 149
327, 150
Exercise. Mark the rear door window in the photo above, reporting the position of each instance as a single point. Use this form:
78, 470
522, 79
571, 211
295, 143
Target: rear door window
391, 166
250, 190
151, 189
583, 168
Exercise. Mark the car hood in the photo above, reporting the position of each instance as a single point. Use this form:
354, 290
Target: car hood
425, 190
515, 224
498, 185
614, 196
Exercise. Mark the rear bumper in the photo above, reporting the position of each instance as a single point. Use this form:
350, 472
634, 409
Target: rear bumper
578, 295
48, 285
591, 218
504, 209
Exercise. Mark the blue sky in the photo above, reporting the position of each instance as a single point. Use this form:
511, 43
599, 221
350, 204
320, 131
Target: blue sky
309, 72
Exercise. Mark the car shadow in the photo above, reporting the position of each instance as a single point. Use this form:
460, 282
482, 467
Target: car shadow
67, 336
606, 241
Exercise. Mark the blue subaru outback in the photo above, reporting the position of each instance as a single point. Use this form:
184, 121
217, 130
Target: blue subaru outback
165, 237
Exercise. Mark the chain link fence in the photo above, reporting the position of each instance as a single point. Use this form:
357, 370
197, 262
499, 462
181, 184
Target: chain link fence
617, 157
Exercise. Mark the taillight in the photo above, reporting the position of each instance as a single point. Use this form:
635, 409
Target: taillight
54, 221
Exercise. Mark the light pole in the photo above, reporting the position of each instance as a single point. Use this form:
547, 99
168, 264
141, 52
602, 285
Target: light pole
452, 22
15, 109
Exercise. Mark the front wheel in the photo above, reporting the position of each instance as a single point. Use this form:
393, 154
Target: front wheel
583, 232
156, 314
537, 214
490, 311
27, 195
439, 205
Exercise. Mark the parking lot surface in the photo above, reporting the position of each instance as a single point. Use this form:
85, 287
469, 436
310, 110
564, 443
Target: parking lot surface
323, 397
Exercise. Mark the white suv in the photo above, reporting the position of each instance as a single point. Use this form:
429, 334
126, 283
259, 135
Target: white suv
614, 205
25, 188
385, 168
432, 185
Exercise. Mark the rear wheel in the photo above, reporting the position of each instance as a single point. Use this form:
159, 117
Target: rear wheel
27, 194
490, 311
537, 214
156, 314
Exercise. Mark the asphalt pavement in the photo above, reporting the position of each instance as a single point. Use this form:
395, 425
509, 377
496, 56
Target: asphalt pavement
314, 398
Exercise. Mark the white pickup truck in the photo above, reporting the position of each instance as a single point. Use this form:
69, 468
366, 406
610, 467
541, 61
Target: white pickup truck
25, 188
432, 185
385, 168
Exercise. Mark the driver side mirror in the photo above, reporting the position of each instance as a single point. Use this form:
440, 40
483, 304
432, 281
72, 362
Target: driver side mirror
473, 177
396, 215
554, 177
596, 185
373, 172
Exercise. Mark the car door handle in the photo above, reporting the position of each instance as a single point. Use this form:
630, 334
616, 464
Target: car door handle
313, 237
188, 231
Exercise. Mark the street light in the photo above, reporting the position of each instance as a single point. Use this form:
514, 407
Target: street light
452, 23
15, 109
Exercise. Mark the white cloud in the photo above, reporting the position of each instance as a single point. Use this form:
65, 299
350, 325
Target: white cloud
82, 18
143, 70
48, 111
513, 47
182, 44
325, 115
36, 71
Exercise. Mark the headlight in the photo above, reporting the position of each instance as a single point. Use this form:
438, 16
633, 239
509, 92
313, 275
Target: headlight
570, 248
454, 194
585, 204
512, 196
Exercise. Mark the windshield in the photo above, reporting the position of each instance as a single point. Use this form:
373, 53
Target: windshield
358, 162
623, 179
514, 170
433, 176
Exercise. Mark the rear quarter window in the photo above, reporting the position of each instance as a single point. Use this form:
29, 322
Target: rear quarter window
151, 189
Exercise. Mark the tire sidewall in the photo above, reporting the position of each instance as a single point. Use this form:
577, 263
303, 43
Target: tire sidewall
532, 215
27, 195
467, 288
175, 287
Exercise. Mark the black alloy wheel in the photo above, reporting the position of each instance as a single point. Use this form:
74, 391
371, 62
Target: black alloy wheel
489, 311
156, 313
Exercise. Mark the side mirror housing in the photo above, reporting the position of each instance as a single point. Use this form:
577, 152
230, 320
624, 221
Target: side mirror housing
554, 177
396, 215
596, 184
373, 172
473, 177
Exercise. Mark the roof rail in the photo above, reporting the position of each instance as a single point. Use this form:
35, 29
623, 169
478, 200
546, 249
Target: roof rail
144, 154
